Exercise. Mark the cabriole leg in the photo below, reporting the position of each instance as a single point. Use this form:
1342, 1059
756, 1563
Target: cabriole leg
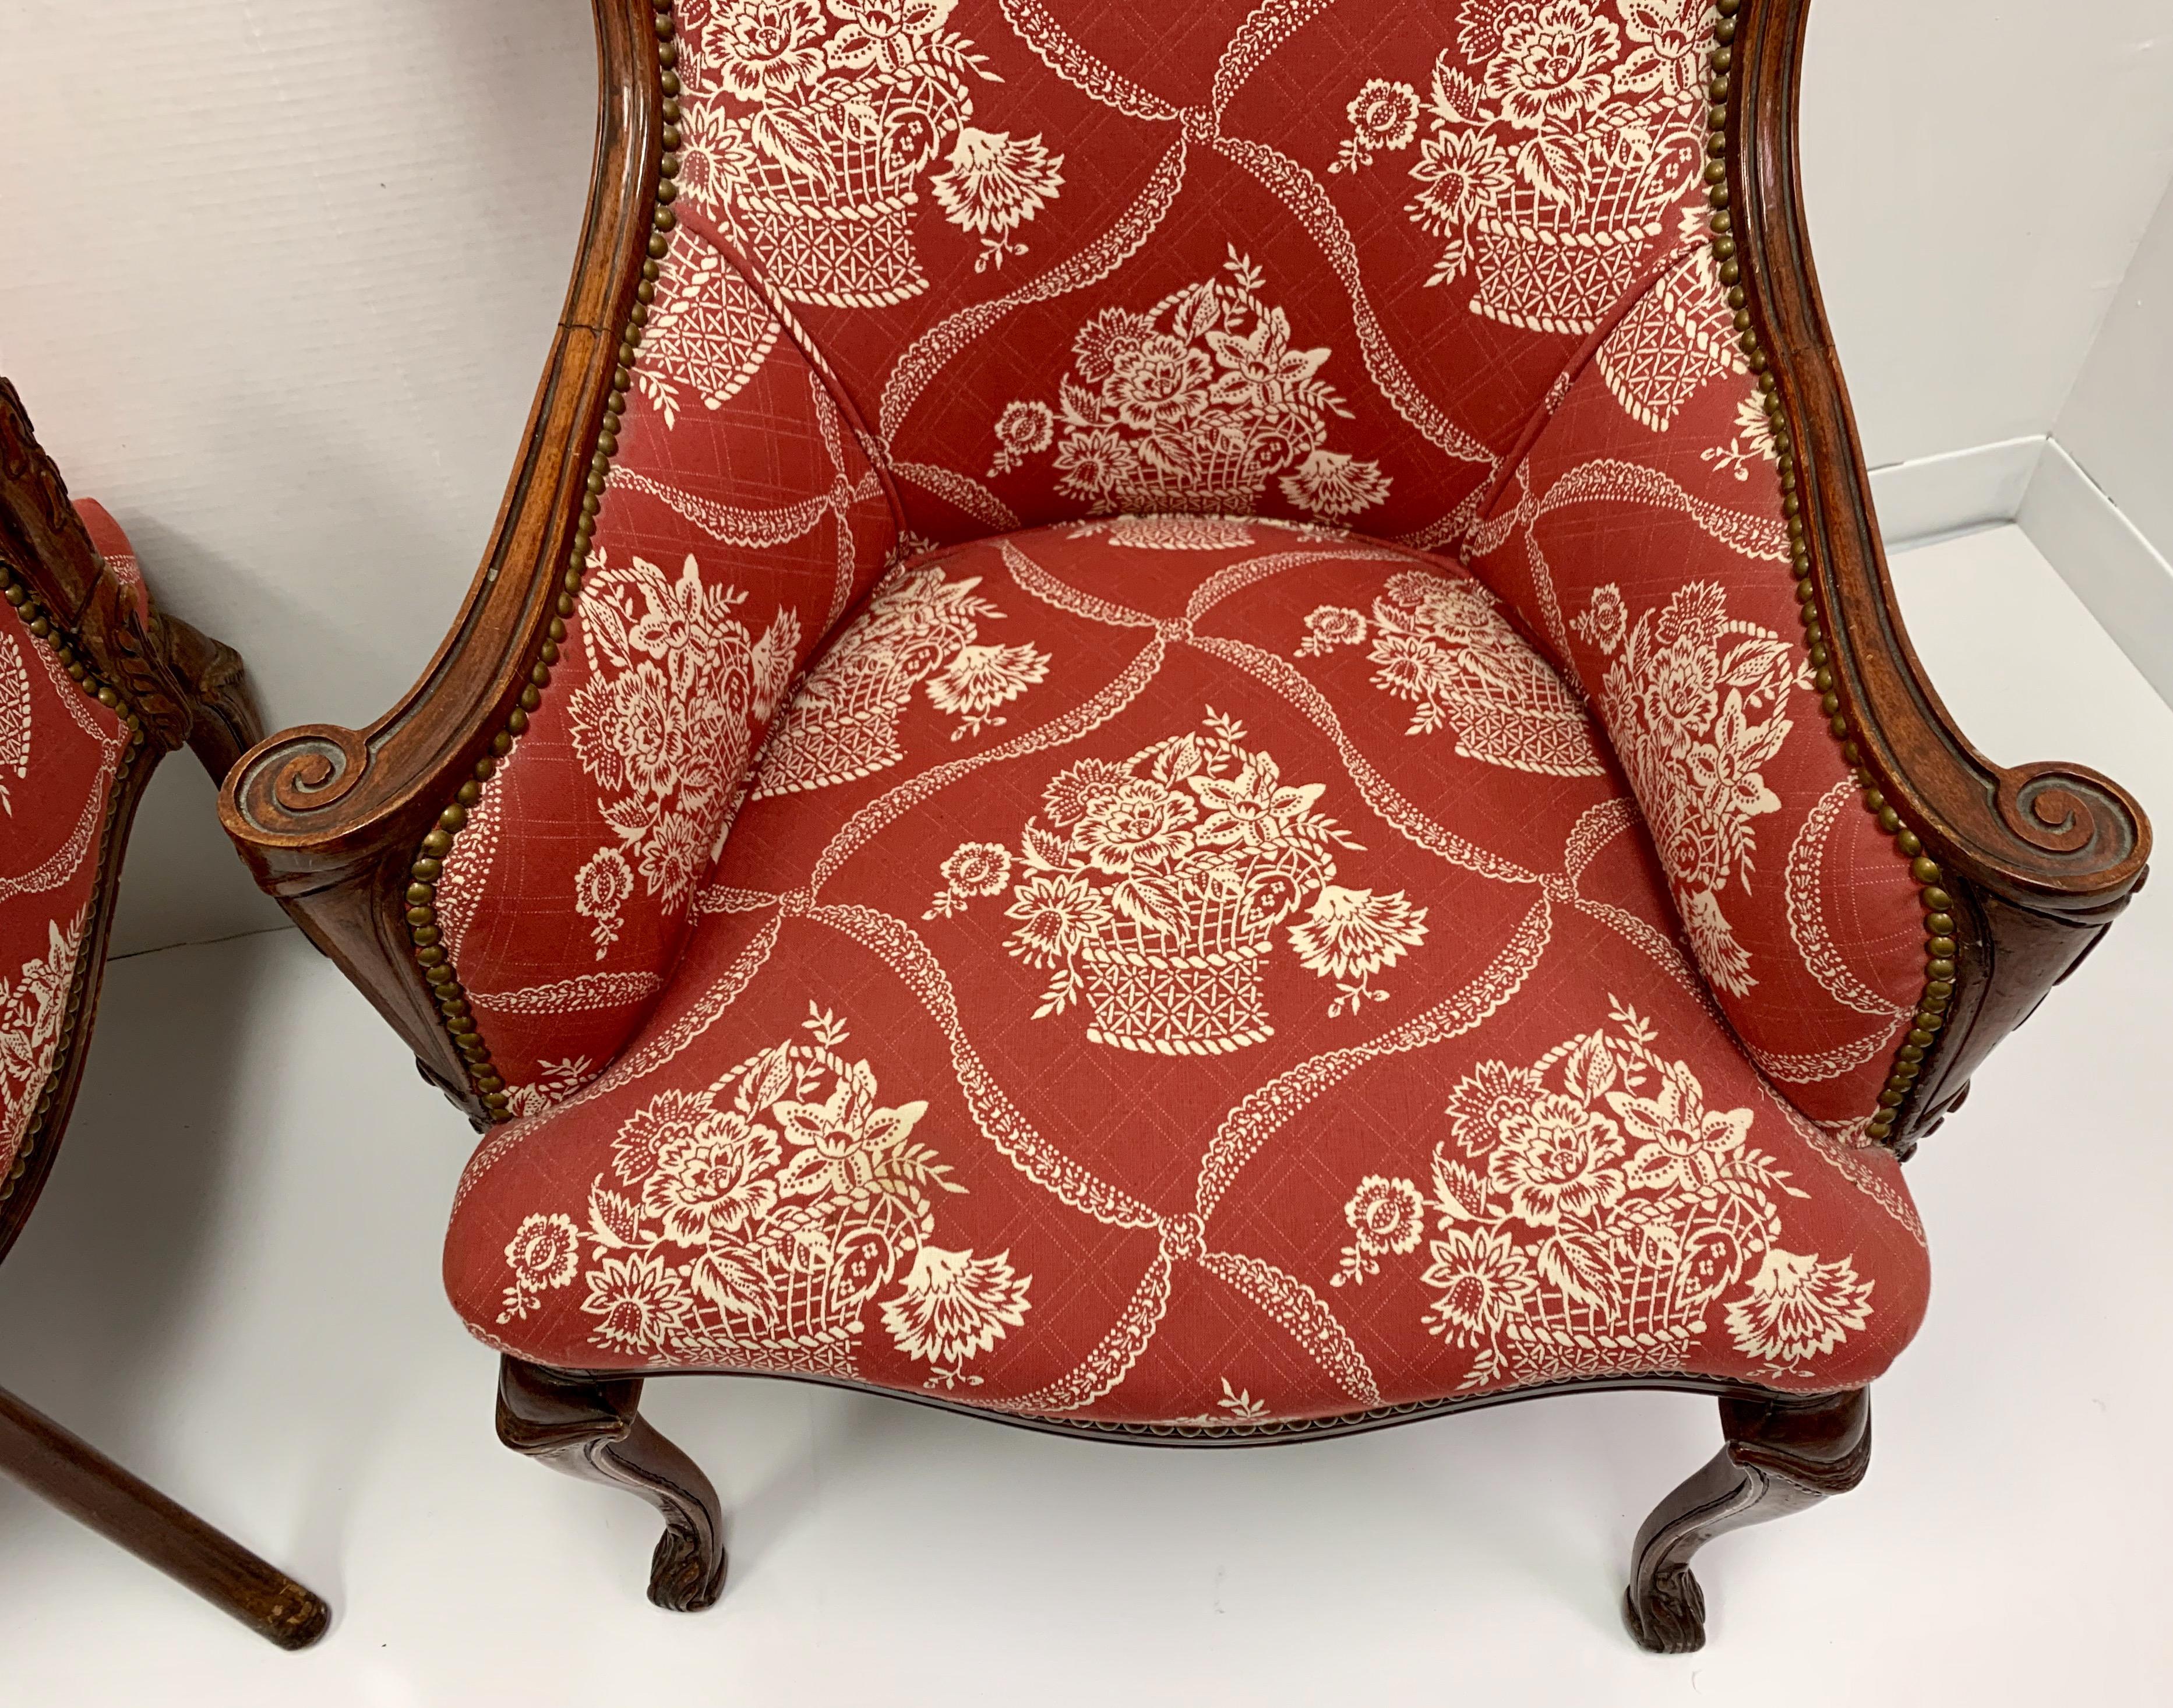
1781, 1456
594, 1430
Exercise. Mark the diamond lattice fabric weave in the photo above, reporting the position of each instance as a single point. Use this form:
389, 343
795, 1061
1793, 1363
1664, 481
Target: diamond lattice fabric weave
947, 269
741, 522
1232, 980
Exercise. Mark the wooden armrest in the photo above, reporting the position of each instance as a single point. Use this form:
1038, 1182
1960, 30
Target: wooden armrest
331, 820
2037, 858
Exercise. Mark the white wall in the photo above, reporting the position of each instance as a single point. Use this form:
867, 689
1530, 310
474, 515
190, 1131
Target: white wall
2118, 422
2101, 503
276, 280
1978, 174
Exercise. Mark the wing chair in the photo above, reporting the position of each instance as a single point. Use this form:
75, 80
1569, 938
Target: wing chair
96, 687
1185, 726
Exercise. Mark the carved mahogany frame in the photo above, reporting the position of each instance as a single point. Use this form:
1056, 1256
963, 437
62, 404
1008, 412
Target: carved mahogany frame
2021, 870
170, 684
2037, 860
330, 820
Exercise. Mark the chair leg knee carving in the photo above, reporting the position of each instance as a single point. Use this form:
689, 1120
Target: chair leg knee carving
594, 1430
1780, 1458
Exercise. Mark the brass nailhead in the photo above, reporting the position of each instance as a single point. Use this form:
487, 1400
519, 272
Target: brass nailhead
1941, 944
483, 1073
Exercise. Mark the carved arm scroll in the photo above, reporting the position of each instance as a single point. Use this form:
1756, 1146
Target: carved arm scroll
2022, 868
330, 819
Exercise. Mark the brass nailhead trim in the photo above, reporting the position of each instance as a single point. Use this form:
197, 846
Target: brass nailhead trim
17, 593
422, 894
1939, 943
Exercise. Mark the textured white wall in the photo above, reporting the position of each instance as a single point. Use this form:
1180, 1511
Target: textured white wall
276, 281
1978, 174
2118, 422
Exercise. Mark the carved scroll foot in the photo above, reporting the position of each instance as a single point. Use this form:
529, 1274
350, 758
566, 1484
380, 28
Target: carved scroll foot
224, 720
594, 1430
1781, 1456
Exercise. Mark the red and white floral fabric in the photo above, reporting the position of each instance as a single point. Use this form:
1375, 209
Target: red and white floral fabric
1642, 535
1275, 1010
61, 753
740, 524
118, 555
1436, 876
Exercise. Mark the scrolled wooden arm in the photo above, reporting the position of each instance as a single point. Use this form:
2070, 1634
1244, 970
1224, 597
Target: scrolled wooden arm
2038, 858
2084, 823
330, 819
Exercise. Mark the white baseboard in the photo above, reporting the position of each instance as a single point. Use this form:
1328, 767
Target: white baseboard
2114, 570
1936, 497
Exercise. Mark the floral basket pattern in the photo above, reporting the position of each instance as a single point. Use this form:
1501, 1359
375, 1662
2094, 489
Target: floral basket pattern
810, 135
1155, 886
1594, 1213
1558, 139
754, 1224
1100, 1016
921, 631
1676, 337
1696, 705
1222, 359
32, 1006
1194, 406
708, 330
663, 726
1445, 645
61, 753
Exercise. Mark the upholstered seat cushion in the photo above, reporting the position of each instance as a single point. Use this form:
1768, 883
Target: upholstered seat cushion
1187, 971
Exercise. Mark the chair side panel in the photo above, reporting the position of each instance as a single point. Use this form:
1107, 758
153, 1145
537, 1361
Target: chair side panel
740, 522
1645, 527
62, 756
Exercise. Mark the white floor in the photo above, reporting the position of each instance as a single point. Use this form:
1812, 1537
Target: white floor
232, 1285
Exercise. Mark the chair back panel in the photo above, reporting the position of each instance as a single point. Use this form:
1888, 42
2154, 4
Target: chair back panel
1296, 259
945, 268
